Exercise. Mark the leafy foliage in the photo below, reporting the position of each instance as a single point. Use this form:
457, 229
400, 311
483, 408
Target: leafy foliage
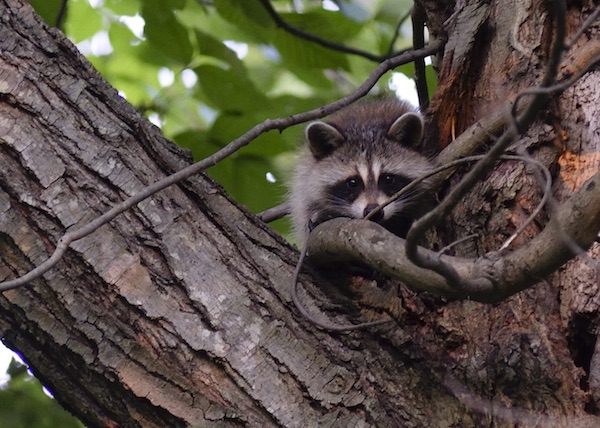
23, 403
230, 67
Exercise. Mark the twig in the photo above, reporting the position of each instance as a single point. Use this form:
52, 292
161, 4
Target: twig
232, 147
410, 186
274, 213
457, 162
61, 15
515, 415
561, 86
403, 18
322, 42
451, 245
314, 320
546, 194
418, 27
586, 24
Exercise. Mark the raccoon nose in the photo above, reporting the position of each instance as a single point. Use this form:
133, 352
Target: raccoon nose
378, 216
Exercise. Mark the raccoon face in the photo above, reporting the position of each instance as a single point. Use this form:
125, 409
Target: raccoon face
360, 194
354, 162
365, 186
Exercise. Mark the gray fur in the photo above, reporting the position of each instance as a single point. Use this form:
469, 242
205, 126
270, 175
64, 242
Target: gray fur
360, 141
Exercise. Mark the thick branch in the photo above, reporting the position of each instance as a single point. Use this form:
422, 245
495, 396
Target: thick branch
488, 279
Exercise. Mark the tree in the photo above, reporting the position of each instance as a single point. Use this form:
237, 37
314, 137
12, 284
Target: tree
178, 311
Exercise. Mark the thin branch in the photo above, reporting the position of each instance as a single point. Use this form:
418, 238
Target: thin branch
268, 125
584, 27
451, 165
547, 192
401, 21
322, 42
459, 152
274, 213
418, 27
414, 183
61, 15
322, 324
515, 415
451, 245
592, 54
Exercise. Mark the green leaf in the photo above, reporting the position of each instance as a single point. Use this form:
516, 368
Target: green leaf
23, 404
249, 16
123, 7
300, 53
228, 89
84, 21
431, 79
330, 26
209, 21
47, 9
213, 47
163, 30
243, 175
390, 11
136, 78
121, 38
198, 142
407, 69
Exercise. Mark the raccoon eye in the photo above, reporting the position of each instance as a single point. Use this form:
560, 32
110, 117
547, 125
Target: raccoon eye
352, 182
388, 179
346, 190
391, 183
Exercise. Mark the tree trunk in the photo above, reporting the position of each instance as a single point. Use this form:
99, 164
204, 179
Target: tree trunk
534, 349
178, 312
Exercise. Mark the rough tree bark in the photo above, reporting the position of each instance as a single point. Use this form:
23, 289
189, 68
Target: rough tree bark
179, 313
539, 345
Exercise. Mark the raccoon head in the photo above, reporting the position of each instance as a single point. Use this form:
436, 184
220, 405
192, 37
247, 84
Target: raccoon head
324, 138
355, 161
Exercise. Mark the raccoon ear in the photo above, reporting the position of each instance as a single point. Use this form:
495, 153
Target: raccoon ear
323, 139
407, 129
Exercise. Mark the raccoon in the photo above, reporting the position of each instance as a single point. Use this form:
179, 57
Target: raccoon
354, 161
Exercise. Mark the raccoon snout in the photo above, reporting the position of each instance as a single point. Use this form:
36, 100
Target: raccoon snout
377, 217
